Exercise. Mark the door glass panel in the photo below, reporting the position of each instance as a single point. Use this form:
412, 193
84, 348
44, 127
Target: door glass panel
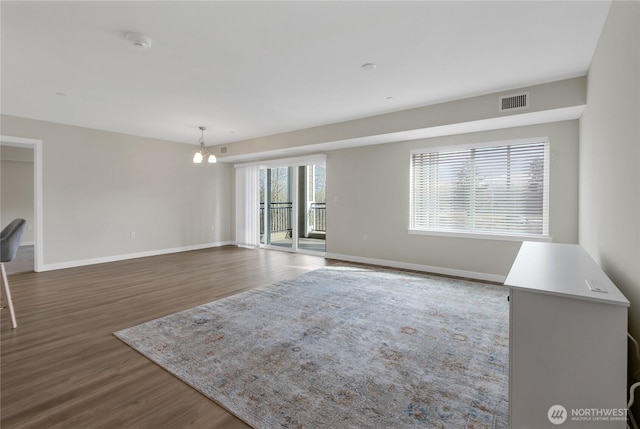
280, 207
263, 198
312, 208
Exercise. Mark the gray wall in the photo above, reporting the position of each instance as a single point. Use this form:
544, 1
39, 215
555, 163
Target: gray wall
476, 113
610, 156
99, 186
368, 194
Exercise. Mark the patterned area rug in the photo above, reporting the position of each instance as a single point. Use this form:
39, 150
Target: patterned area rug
344, 347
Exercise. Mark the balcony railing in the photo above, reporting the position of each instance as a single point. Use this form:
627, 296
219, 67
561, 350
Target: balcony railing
318, 216
280, 216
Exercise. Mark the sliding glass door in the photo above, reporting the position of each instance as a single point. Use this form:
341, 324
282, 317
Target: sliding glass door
276, 207
293, 207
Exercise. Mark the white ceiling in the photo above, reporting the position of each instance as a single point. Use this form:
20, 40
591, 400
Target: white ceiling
250, 69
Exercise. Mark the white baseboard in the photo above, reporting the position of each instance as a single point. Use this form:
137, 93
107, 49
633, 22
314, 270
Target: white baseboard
349, 258
245, 246
102, 260
418, 267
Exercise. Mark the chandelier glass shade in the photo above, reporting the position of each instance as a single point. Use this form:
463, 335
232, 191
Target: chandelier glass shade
201, 154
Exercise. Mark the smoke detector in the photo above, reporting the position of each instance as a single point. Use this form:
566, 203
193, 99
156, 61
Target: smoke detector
139, 40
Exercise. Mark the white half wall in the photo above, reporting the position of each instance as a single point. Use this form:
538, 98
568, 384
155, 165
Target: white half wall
100, 187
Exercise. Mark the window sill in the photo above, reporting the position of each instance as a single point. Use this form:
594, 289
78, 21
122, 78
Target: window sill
480, 236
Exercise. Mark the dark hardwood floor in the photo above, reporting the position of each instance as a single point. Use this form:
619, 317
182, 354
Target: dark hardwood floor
63, 368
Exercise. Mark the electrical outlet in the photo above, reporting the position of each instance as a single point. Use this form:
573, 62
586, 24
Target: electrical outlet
596, 286
365, 237
133, 234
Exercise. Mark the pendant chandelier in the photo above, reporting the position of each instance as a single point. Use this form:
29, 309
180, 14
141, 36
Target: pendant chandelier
201, 154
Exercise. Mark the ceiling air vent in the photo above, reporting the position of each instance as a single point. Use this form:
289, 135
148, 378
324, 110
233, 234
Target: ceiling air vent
223, 149
514, 102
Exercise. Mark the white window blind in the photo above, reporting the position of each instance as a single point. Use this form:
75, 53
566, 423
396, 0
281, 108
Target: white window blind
247, 206
500, 189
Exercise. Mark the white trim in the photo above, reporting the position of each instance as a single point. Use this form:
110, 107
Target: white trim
245, 246
277, 248
23, 142
518, 119
36, 145
286, 162
480, 236
291, 250
115, 258
25, 161
27, 243
312, 252
419, 267
466, 146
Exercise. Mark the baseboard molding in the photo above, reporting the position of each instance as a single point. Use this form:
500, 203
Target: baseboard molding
115, 258
418, 267
348, 258
245, 246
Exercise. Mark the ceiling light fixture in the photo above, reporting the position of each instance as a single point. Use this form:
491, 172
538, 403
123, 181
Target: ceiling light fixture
201, 153
139, 40
368, 66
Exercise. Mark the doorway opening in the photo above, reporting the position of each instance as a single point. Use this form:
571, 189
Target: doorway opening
34, 234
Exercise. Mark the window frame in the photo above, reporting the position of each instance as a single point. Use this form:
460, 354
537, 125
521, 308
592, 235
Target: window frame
507, 236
